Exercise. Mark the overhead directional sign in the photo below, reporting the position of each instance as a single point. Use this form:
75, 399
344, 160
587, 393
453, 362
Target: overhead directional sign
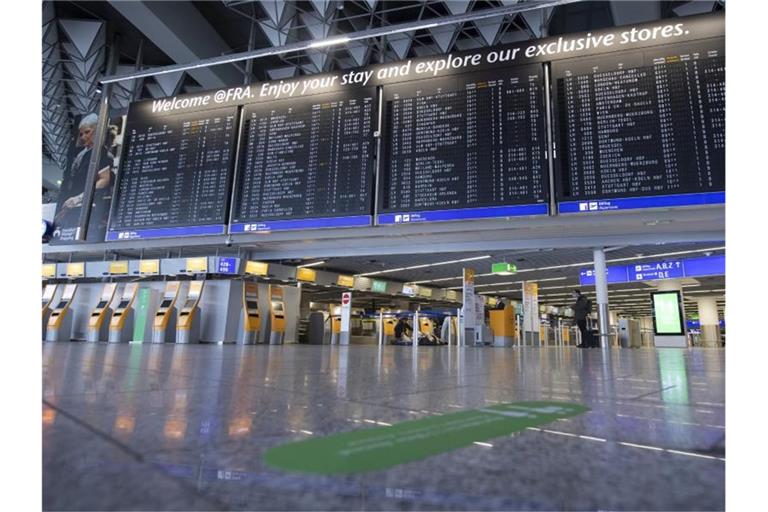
670, 269
653, 271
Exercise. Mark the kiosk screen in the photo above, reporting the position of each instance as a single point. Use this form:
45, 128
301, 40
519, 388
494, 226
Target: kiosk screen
251, 304
166, 303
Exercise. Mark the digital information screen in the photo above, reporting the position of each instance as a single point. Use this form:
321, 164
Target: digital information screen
465, 147
174, 178
667, 314
641, 129
306, 163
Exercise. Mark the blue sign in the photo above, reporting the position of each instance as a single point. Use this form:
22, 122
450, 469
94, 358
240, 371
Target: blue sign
289, 224
670, 269
634, 203
614, 275
141, 234
227, 266
706, 266
488, 212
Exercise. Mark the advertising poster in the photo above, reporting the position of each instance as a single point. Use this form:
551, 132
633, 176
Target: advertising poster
73, 180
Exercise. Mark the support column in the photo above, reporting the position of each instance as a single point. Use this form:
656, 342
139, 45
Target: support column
601, 289
709, 322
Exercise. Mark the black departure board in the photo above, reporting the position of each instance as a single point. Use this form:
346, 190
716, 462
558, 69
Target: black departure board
465, 141
307, 162
174, 179
642, 123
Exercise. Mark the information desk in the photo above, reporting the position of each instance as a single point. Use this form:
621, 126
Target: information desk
641, 129
464, 147
175, 174
306, 163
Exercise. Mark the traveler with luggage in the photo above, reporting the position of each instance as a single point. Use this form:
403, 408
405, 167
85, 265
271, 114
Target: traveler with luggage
581, 310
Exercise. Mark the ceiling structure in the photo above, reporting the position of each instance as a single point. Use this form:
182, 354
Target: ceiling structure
556, 271
77, 36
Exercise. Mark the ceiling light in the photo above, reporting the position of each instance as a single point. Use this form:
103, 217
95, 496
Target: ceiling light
313, 264
425, 266
330, 42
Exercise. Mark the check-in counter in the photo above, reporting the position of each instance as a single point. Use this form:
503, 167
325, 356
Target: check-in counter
188, 323
121, 323
503, 326
250, 321
277, 313
60, 319
164, 322
98, 323
49, 292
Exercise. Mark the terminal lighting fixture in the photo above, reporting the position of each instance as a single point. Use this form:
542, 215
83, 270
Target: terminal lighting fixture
329, 42
371, 33
583, 263
414, 267
313, 264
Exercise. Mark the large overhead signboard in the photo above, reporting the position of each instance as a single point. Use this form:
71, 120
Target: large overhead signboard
641, 129
306, 163
465, 146
174, 179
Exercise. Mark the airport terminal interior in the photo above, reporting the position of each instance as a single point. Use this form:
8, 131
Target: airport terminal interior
383, 255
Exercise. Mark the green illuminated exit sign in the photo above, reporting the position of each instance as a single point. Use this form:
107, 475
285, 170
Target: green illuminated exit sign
503, 268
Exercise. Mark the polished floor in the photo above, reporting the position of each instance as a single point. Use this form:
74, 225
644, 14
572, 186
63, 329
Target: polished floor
165, 427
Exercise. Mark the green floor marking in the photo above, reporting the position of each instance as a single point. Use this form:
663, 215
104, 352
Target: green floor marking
370, 449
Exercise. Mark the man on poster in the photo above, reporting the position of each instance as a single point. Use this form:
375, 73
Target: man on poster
71, 194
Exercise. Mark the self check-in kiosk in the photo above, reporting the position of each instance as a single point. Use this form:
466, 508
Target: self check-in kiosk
98, 323
250, 322
389, 328
335, 324
164, 323
188, 323
503, 326
48, 292
276, 315
121, 323
60, 319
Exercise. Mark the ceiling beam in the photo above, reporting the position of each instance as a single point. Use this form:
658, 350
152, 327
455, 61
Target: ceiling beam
181, 31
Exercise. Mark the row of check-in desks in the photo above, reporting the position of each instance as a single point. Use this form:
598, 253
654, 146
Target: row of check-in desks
168, 321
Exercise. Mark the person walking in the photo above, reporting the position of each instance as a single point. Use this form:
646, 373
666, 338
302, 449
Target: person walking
581, 309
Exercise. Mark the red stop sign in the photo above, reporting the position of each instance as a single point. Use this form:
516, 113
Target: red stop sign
345, 298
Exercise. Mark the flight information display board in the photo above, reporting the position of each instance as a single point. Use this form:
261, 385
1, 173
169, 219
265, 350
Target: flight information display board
641, 129
465, 147
306, 163
174, 178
